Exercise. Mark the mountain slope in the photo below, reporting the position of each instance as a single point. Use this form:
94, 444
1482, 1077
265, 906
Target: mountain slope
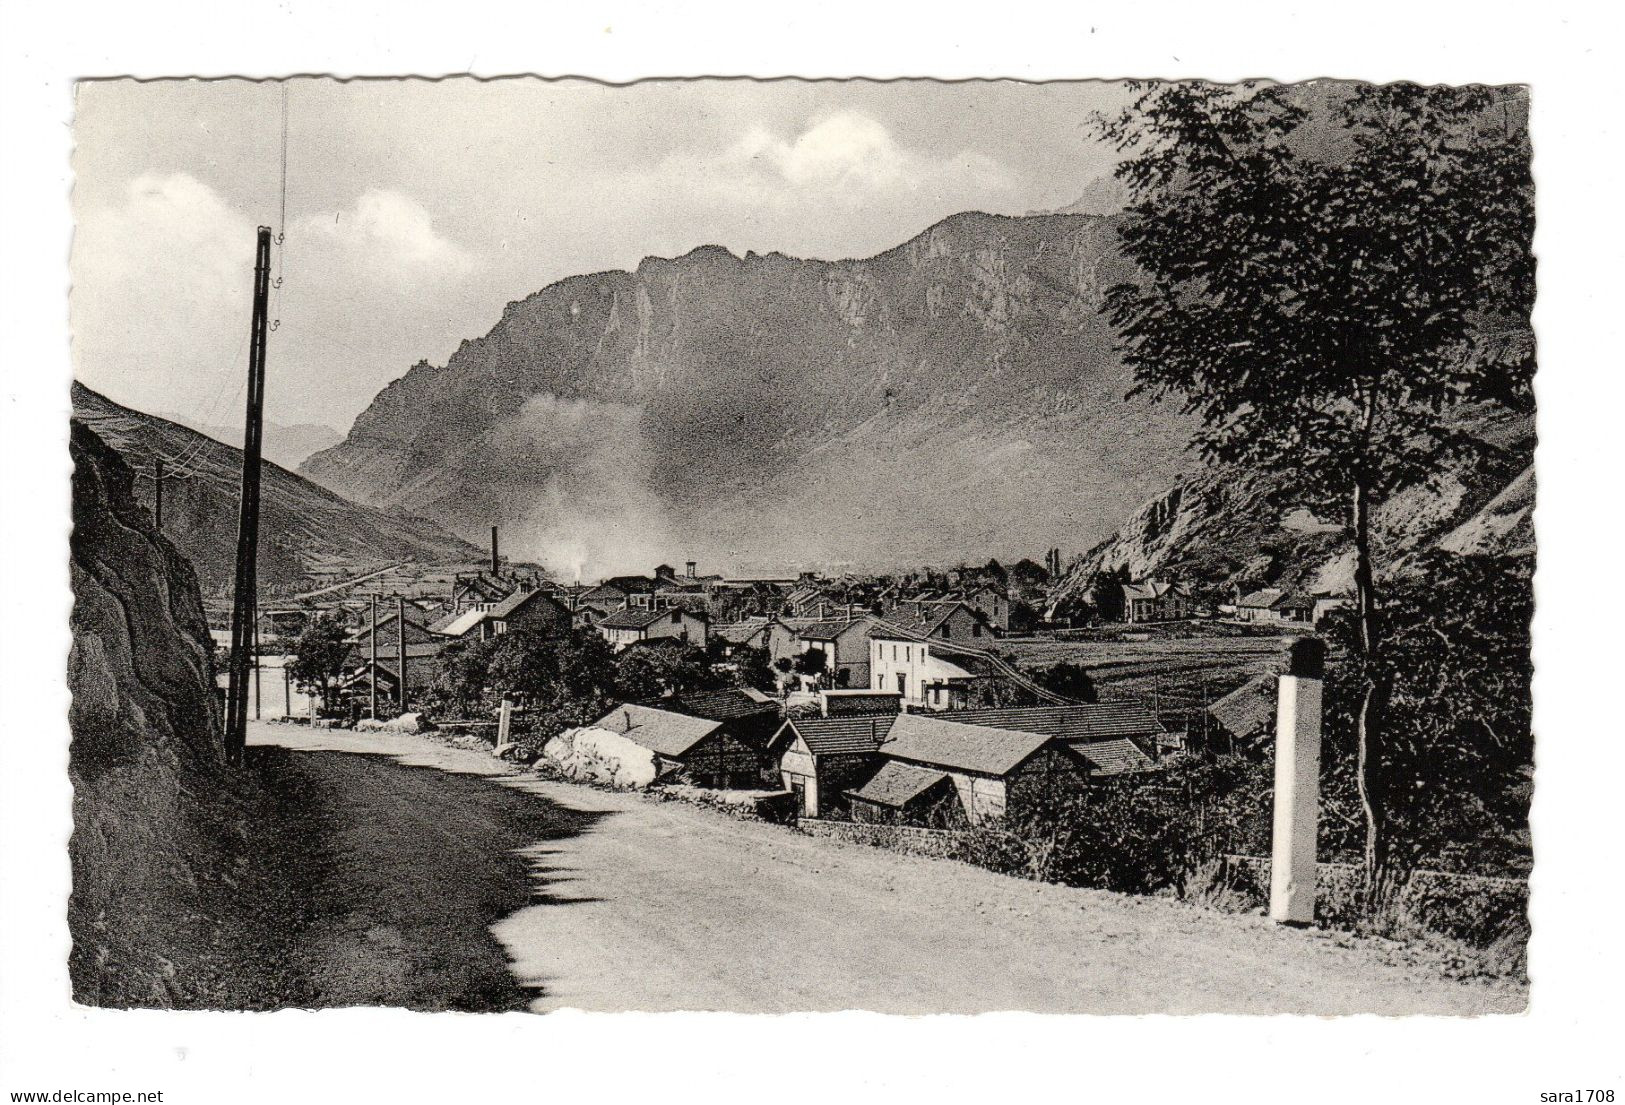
288, 446
304, 528
1226, 527
957, 395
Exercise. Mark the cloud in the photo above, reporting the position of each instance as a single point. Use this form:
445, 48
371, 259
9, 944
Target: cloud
160, 292
387, 237
160, 303
847, 158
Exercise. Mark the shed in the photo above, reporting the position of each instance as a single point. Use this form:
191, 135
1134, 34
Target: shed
820, 758
701, 749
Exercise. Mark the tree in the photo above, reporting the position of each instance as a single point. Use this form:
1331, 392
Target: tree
1106, 593
753, 667
812, 662
1327, 290
318, 657
1066, 678
1458, 751
644, 673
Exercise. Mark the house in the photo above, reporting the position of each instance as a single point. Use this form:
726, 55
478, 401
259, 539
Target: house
1274, 606
632, 626
745, 712
991, 603
538, 612
902, 662
844, 643
1110, 737
1156, 600
820, 758
422, 660
945, 619
1248, 712
937, 673
389, 631
992, 772
768, 633
701, 750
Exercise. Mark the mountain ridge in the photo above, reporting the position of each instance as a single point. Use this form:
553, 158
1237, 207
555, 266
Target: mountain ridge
769, 407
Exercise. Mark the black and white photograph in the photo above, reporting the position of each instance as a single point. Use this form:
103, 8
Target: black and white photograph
1054, 543
1037, 520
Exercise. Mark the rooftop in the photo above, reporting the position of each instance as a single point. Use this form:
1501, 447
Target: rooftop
897, 784
981, 748
1088, 722
670, 734
826, 736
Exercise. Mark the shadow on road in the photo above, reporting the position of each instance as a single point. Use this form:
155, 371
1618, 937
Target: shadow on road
392, 876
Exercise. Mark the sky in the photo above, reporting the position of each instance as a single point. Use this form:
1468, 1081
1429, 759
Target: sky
415, 211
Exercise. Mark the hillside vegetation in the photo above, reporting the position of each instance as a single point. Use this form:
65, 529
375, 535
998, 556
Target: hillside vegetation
305, 530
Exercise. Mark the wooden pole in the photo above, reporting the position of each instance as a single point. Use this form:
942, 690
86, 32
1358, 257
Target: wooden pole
245, 582
256, 659
372, 665
158, 493
287, 690
400, 634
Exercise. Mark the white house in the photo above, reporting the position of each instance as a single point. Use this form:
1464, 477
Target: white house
904, 664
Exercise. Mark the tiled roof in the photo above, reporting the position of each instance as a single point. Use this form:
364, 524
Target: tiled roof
724, 705
661, 731
1114, 757
1273, 597
830, 628
937, 743
513, 602
1249, 709
897, 784
826, 736
463, 623
739, 632
1089, 722
631, 618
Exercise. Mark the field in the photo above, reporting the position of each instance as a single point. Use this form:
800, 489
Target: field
1172, 673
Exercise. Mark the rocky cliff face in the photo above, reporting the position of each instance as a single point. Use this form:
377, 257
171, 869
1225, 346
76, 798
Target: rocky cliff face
303, 528
145, 755
955, 395
1226, 527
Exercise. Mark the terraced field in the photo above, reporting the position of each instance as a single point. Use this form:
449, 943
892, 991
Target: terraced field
1177, 673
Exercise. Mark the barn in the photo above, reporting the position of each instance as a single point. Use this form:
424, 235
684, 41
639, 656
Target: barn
994, 772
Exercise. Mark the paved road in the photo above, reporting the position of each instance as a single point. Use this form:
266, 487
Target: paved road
662, 906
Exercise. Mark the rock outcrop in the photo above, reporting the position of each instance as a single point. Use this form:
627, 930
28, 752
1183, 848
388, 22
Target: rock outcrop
153, 817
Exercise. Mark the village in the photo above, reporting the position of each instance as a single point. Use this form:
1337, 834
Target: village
900, 699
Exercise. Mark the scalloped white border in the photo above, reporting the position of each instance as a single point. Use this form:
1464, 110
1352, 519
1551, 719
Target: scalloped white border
1569, 53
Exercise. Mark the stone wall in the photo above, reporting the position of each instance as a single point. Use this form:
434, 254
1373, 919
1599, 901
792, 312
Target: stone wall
938, 843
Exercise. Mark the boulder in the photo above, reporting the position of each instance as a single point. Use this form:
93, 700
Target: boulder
600, 756
409, 723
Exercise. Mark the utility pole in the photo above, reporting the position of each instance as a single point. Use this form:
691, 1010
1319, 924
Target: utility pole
256, 659
158, 494
400, 633
494, 562
372, 671
248, 517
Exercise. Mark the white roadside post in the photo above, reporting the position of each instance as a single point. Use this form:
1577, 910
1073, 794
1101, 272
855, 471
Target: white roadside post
504, 723
1297, 784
